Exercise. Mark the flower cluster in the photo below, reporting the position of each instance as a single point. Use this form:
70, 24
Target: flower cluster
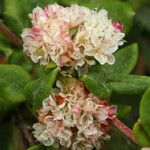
72, 117
71, 36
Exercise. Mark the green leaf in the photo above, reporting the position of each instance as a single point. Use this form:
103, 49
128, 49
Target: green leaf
145, 111
16, 16
39, 89
12, 81
50, 66
4, 46
40, 147
129, 84
141, 136
18, 57
95, 81
122, 110
126, 59
117, 10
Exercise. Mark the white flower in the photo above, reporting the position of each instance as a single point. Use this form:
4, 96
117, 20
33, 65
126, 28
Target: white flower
50, 38
145, 148
81, 143
73, 118
98, 38
38, 17
76, 15
42, 135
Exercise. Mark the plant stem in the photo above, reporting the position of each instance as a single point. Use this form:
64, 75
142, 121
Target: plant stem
123, 128
11, 36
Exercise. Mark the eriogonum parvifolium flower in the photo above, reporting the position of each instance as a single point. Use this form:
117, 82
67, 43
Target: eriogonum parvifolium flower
51, 37
72, 117
146, 148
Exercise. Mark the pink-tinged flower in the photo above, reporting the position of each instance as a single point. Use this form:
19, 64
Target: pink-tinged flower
38, 17
34, 45
49, 38
76, 109
49, 42
72, 118
117, 25
72, 36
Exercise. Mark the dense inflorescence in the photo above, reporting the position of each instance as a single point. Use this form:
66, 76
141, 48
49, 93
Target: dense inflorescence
72, 36
76, 36
73, 118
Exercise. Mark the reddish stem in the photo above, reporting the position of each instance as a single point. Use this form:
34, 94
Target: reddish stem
122, 127
11, 36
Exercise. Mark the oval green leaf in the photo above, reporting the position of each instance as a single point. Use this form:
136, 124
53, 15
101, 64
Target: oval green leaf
95, 81
141, 136
126, 59
129, 84
145, 111
12, 81
37, 90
